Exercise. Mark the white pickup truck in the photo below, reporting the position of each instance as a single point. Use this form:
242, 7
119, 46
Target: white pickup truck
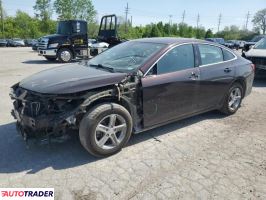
257, 54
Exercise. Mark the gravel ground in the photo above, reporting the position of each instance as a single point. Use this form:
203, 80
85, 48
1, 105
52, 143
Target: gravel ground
204, 157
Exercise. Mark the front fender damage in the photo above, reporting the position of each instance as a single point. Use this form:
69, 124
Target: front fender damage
44, 115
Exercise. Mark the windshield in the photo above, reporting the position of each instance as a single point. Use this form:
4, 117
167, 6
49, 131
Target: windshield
261, 44
64, 28
127, 56
257, 38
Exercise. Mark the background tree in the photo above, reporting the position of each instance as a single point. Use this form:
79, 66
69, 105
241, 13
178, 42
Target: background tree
43, 12
209, 34
155, 32
259, 20
75, 9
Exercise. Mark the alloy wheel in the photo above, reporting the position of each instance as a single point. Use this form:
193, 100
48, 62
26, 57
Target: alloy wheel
234, 99
110, 131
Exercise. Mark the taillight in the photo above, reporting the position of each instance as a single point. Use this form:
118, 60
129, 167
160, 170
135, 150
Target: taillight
253, 67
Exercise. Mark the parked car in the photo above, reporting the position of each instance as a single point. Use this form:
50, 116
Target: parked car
257, 55
130, 88
30, 42
91, 42
35, 45
237, 44
252, 42
8, 42
229, 44
240, 43
3, 43
216, 40
16, 42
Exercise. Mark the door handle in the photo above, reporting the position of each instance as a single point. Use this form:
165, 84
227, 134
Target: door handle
227, 70
194, 76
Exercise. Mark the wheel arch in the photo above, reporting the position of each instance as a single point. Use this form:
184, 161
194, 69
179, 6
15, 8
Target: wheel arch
66, 47
242, 82
110, 99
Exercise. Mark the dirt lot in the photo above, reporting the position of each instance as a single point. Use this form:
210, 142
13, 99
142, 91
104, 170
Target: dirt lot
205, 157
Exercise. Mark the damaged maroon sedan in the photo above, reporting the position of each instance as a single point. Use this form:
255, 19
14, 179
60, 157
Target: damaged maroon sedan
135, 86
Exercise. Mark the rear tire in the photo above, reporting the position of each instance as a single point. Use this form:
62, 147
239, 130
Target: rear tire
105, 129
50, 58
233, 99
65, 55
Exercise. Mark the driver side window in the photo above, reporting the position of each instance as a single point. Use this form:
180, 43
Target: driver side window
177, 59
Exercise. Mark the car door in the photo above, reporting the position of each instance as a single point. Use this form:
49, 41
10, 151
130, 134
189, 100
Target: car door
79, 38
216, 74
169, 87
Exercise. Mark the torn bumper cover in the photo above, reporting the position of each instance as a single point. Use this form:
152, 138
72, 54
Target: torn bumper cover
42, 126
43, 115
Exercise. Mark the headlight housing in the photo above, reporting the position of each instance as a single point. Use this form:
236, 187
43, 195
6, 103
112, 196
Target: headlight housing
53, 45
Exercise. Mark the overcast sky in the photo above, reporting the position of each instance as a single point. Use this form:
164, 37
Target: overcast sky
143, 12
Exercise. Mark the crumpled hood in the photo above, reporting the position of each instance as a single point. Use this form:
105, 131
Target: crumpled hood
256, 53
70, 78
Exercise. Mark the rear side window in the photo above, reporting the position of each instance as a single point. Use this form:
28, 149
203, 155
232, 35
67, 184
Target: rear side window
228, 55
179, 58
210, 54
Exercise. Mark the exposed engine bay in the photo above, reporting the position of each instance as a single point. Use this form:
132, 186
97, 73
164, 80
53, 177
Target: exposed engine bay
45, 115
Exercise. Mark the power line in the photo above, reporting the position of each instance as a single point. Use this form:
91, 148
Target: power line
247, 20
127, 12
219, 21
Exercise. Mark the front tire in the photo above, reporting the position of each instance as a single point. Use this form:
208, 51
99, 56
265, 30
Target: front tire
233, 99
105, 129
65, 55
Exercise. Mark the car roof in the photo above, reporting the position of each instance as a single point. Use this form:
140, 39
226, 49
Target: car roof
73, 20
169, 40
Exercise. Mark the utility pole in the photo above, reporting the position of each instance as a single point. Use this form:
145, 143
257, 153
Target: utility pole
198, 20
131, 21
170, 19
248, 15
2, 16
170, 22
219, 21
127, 12
183, 17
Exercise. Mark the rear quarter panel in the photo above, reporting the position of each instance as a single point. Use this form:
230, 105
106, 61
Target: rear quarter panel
245, 72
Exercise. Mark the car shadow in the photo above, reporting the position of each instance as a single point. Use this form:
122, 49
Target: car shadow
40, 62
168, 128
68, 153
47, 62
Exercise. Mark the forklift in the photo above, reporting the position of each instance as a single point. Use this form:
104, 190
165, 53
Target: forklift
71, 40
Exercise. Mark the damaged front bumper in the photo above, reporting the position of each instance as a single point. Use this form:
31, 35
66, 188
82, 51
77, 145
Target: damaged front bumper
43, 126
35, 120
